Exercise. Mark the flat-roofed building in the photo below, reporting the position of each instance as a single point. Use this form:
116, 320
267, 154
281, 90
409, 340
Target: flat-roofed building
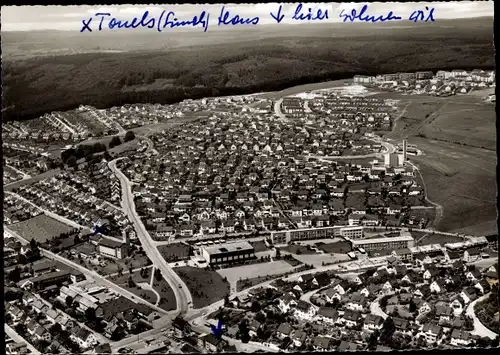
228, 253
354, 232
394, 243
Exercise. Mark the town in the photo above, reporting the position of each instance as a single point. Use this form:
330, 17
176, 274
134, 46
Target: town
242, 223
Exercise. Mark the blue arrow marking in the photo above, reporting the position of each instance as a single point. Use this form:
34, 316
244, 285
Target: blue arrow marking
278, 17
217, 331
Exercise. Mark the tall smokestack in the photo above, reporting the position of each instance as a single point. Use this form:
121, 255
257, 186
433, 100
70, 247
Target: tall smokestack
404, 151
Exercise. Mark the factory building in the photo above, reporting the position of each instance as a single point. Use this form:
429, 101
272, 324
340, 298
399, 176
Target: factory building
394, 160
227, 253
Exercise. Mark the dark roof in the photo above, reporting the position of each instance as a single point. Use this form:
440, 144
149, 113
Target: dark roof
110, 243
103, 349
284, 328
328, 312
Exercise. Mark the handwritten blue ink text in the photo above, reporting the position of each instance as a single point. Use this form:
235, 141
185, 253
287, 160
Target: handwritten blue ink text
310, 15
225, 18
362, 16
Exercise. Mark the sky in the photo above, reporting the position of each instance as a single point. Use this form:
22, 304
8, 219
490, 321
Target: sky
69, 18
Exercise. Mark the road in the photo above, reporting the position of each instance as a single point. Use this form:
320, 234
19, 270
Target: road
277, 110
25, 176
182, 295
19, 339
439, 208
479, 328
89, 274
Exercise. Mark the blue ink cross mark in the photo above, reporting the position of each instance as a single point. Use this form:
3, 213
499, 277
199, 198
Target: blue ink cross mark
99, 228
217, 331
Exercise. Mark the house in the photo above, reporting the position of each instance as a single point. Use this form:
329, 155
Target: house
371, 289
351, 318
423, 291
444, 313
286, 302
17, 348
322, 343
212, 343
41, 333
181, 327
356, 301
305, 278
83, 337
469, 295
432, 332
473, 275
327, 315
373, 322
438, 286
483, 286
401, 325
422, 306
321, 280
456, 306
284, 330
304, 310
471, 255
460, 338
298, 337
253, 327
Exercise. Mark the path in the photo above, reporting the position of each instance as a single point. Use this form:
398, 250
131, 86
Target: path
375, 308
479, 328
439, 208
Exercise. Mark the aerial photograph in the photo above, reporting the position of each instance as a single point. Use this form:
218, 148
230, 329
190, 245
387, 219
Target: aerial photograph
274, 177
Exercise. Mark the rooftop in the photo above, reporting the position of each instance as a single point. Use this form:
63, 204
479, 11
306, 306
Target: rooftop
228, 248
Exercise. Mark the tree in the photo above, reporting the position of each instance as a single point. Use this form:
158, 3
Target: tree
413, 306
15, 275
71, 161
226, 300
158, 275
131, 282
115, 141
255, 307
130, 135
388, 329
69, 301
373, 340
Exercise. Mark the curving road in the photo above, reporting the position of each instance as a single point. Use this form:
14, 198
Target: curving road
182, 295
479, 328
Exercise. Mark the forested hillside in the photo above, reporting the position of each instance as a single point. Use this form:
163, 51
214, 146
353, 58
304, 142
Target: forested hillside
43, 84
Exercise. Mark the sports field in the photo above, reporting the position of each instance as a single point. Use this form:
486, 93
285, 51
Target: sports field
249, 271
41, 228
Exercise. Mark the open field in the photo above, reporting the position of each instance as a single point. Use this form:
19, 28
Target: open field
168, 301
463, 182
41, 228
250, 271
141, 288
457, 137
135, 261
321, 259
206, 287
298, 249
174, 252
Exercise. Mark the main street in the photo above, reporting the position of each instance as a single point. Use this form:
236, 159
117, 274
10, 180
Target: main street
182, 295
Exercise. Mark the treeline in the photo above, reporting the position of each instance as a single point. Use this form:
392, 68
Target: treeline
39, 85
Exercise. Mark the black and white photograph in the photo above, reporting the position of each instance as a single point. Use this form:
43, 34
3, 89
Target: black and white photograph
244, 178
